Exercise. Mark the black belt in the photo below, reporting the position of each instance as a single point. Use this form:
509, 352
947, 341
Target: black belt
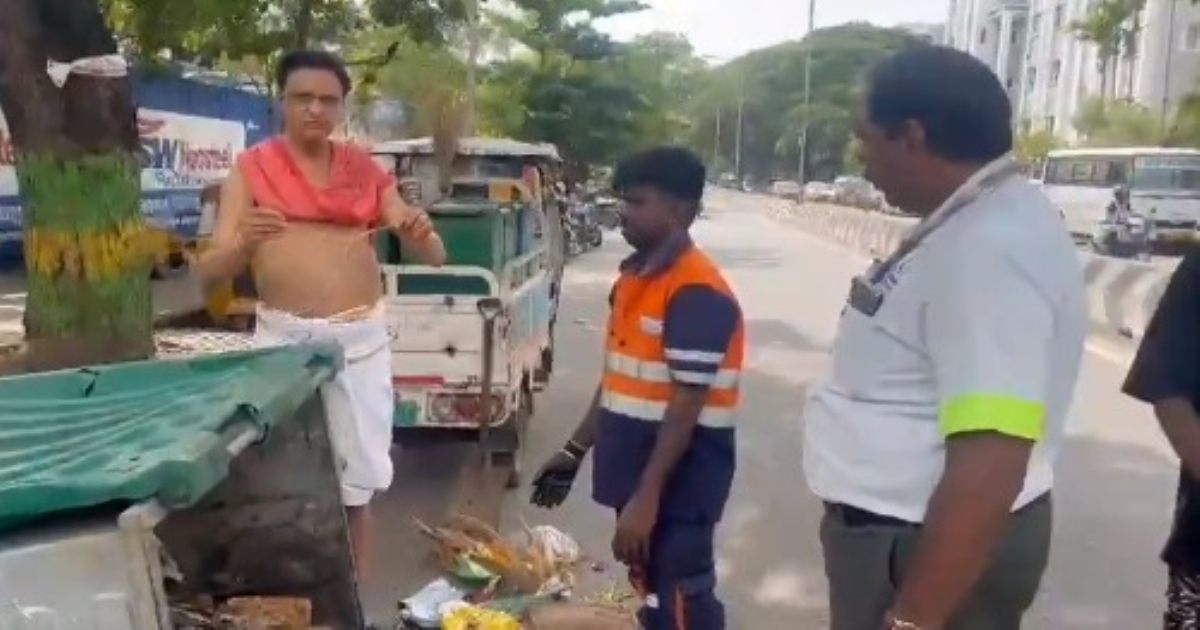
857, 517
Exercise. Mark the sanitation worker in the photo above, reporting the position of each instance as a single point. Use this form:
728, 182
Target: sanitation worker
661, 424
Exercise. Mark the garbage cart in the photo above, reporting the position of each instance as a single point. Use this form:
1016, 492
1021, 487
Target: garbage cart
131, 491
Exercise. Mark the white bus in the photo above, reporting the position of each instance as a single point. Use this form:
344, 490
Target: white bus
1164, 186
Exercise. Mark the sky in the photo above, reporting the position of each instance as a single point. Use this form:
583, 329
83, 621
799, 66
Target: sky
723, 29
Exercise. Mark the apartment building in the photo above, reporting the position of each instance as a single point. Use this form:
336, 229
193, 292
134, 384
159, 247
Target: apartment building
995, 31
1050, 72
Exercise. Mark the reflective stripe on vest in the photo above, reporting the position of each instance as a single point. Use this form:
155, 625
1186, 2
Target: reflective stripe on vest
653, 411
659, 372
637, 375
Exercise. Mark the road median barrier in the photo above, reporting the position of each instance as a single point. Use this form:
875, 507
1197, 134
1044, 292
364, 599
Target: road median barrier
1122, 294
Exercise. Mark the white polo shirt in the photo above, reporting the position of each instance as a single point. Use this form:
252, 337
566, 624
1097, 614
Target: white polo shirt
982, 328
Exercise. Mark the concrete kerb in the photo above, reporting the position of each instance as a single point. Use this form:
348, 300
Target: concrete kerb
1122, 294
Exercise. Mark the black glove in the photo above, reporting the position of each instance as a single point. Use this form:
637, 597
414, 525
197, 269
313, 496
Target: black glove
553, 481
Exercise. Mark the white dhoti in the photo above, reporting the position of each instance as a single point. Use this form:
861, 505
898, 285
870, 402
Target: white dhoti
359, 401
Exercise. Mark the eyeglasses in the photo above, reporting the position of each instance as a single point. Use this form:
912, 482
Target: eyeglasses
308, 100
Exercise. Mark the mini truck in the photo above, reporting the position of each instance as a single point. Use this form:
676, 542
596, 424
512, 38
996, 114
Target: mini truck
472, 341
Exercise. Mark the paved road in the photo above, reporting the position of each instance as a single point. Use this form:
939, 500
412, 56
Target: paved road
720, 197
1116, 479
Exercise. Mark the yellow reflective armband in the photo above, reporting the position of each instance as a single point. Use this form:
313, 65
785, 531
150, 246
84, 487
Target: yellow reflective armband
988, 412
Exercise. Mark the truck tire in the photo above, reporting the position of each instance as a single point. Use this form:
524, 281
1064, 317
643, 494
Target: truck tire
545, 367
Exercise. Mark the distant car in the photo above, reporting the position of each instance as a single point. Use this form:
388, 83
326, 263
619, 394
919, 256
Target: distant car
857, 192
820, 192
787, 189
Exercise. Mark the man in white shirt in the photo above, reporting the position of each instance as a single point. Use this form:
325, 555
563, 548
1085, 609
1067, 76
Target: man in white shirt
933, 440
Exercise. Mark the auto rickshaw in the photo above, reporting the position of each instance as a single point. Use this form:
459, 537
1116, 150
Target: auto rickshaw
472, 340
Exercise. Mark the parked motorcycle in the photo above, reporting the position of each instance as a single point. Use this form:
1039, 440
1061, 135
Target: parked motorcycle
593, 234
604, 209
582, 231
572, 245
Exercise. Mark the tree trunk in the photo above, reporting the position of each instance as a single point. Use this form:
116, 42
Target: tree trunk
1114, 73
302, 24
86, 253
1132, 41
1102, 67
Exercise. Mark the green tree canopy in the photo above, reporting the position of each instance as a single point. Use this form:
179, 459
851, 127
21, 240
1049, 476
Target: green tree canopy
770, 83
567, 83
668, 72
577, 88
1030, 147
206, 31
422, 77
1117, 124
1112, 26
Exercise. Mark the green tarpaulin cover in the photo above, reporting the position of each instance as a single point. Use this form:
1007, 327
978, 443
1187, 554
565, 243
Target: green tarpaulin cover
135, 431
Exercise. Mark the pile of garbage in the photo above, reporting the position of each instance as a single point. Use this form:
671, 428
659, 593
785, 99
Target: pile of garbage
243, 613
493, 583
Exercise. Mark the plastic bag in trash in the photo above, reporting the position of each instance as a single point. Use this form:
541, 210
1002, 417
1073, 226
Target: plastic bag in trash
555, 545
424, 608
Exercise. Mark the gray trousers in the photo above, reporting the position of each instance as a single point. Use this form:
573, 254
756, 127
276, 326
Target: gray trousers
866, 558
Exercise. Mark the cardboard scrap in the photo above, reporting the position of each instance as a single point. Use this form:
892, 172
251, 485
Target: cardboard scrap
270, 613
245, 613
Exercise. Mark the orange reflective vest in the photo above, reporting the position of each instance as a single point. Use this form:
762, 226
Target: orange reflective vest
637, 381
640, 370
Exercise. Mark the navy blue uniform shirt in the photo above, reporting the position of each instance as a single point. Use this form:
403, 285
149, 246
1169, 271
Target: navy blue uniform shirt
701, 319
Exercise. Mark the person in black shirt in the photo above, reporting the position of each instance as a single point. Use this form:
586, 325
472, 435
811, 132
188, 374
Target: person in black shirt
1166, 374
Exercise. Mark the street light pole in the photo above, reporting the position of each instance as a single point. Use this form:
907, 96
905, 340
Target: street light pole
803, 169
716, 161
737, 151
1165, 112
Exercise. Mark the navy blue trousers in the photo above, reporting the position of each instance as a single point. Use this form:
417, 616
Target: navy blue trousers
678, 584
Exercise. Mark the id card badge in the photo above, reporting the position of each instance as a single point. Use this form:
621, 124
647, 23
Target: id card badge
866, 297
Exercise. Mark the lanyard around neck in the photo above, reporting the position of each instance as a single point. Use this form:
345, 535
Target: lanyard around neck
980, 185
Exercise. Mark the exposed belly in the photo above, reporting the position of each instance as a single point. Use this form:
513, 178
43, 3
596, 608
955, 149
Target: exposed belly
317, 270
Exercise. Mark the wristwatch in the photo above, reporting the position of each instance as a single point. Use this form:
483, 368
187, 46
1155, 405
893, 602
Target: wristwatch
574, 449
895, 623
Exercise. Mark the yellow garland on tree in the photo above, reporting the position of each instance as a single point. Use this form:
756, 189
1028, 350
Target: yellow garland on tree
94, 255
